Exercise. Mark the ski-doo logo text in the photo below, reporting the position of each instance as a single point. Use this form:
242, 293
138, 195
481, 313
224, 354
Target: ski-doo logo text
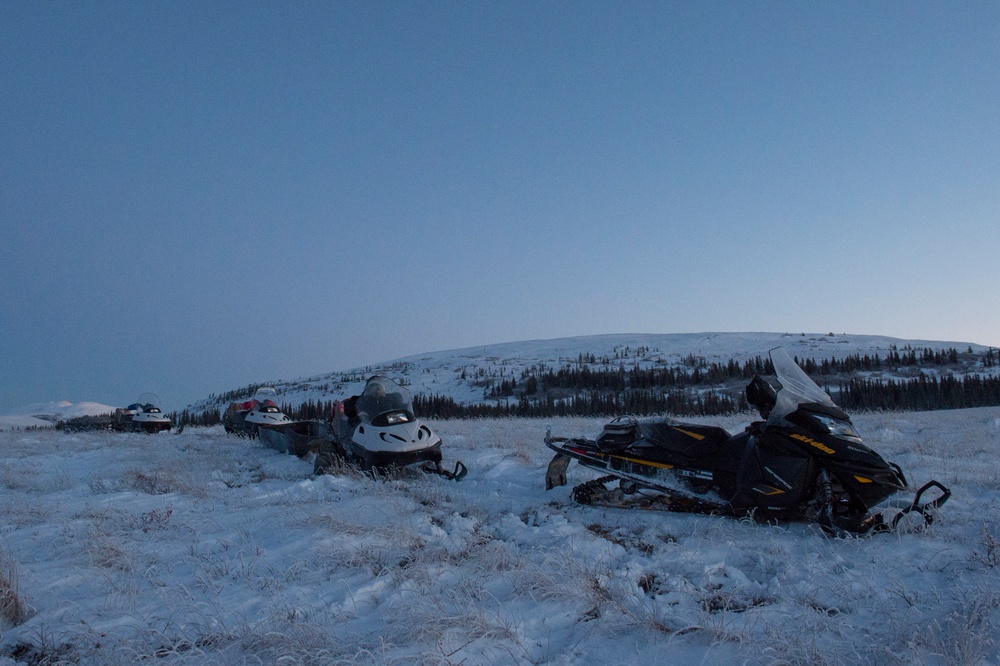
813, 442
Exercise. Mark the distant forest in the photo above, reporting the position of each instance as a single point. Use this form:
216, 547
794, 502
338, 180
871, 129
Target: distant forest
923, 379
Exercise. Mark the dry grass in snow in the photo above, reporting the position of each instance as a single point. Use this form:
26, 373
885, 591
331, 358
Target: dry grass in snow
203, 548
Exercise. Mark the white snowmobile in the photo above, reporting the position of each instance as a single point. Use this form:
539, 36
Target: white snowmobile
147, 416
378, 431
144, 415
245, 418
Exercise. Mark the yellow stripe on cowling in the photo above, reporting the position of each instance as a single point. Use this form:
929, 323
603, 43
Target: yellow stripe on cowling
650, 463
862, 479
690, 434
774, 491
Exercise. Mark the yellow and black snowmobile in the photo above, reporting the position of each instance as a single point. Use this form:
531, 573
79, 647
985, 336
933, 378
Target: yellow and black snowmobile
803, 461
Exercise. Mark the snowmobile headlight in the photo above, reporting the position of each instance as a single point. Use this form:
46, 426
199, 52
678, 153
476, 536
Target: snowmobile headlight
397, 417
838, 428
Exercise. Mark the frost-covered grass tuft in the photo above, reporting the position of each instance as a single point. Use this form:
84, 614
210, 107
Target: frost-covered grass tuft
13, 609
203, 548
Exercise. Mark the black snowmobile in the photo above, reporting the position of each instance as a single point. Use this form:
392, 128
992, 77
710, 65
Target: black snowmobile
378, 431
804, 461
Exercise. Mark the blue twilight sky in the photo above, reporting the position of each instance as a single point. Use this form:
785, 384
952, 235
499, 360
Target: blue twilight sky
195, 196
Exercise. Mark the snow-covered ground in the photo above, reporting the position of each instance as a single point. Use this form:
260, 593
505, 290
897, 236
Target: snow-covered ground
203, 548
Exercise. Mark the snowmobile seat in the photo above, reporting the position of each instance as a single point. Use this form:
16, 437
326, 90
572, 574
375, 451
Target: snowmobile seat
619, 434
691, 440
351, 407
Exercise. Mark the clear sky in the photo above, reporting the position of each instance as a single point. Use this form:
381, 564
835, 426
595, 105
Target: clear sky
195, 196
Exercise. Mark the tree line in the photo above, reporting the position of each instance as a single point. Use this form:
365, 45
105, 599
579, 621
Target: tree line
695, 388
922, 394
695, 371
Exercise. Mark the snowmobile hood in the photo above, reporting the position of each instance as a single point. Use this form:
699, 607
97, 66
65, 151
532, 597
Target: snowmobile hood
398, 438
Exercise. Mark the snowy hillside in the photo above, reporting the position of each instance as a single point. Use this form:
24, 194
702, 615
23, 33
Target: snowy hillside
198, 548
48, 413
460, 373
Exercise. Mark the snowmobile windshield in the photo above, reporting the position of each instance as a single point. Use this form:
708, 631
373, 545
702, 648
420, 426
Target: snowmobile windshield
796, 390
264, 394
146, 401
382, 395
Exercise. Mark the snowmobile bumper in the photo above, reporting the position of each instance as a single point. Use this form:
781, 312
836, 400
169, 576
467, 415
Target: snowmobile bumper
876, 522
924, 509
456, 475
385, 459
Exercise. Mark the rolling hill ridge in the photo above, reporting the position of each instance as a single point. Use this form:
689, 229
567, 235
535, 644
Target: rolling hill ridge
643, 373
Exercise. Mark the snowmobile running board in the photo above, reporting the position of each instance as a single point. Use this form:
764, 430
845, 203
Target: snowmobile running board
597, 493
629, 496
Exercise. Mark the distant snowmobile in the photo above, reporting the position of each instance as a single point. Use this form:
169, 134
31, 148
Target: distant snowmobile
804, 461
144, 415
147, 416
244, 418
378, 430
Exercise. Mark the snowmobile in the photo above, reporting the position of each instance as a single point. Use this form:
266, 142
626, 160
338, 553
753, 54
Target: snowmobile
144, 415
377, 430
803, 461
244, 418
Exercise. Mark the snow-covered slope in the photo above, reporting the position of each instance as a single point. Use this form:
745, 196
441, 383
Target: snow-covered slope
22, 421
454, 373
48, 413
